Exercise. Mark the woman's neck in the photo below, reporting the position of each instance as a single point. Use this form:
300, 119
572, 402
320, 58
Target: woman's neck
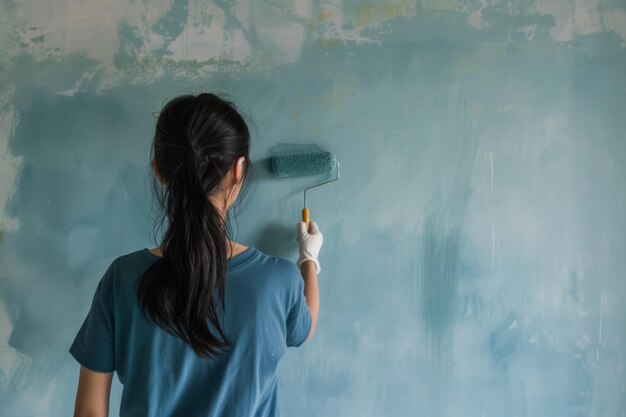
232, 249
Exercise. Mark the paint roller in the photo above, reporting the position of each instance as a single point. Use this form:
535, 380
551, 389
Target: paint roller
307, 161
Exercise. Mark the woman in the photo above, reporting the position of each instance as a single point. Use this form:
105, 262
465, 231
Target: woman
197, 326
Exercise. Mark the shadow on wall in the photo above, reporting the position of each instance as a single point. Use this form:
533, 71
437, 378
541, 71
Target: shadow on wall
273, 237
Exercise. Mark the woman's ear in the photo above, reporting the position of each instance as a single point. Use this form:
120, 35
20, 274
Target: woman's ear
239, 168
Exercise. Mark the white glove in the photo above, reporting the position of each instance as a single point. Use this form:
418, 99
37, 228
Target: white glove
310, 243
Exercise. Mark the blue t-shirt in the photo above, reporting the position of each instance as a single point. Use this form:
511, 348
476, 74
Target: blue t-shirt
265, 312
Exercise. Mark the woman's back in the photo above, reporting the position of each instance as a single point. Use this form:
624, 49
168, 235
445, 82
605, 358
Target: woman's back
198, 328
265, 312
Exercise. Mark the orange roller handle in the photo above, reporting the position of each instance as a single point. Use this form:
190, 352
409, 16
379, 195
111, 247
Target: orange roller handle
305, 217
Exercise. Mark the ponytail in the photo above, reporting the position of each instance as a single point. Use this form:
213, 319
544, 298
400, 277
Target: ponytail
178, 291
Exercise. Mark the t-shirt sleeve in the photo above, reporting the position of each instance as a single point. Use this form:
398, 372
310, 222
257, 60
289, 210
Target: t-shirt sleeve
94, 345
299, 319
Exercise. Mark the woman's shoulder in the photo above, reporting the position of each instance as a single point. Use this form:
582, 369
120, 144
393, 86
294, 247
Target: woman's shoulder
281, 263
135, 259
127, 264
280, 269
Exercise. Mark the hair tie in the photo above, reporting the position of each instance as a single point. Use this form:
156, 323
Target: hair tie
202, 166
188, 147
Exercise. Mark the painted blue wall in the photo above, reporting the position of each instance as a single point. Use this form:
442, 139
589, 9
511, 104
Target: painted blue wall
474, 247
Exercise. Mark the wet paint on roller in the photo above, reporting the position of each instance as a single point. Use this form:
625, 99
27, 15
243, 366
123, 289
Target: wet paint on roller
289, 160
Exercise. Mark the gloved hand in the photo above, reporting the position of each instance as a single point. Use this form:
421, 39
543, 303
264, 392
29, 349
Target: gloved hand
309, 243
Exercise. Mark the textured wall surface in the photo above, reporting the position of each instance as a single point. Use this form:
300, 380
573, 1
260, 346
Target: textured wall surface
474, 247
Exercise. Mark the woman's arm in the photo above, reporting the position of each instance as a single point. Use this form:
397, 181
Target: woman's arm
309, 245
311, 292
92, 397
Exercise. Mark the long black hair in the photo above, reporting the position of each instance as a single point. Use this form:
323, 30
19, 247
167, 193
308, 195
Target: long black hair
197, 139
